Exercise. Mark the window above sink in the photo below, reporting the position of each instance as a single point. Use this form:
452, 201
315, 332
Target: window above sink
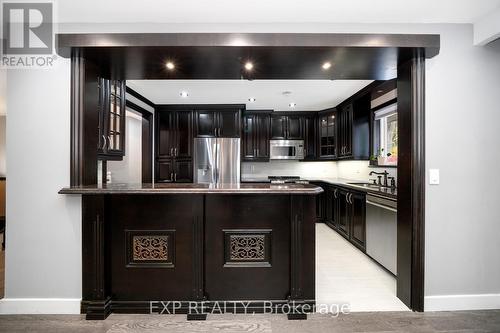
385, 136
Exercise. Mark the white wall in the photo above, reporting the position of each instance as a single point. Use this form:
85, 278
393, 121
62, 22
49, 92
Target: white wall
129, 170
462, 215
43, 249
462, 218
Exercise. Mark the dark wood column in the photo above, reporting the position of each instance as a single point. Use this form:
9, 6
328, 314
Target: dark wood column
96, 303
411, 179
302, 255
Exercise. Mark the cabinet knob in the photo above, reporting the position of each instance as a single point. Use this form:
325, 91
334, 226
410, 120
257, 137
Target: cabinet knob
171, 176
175, 177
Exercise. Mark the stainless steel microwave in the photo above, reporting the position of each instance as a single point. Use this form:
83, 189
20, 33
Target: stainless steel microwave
286, 149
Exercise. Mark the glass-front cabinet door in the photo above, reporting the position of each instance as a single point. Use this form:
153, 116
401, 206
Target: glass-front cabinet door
328, 135
116, 118
111, 143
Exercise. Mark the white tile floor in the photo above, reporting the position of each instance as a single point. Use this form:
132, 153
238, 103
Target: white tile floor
345, 275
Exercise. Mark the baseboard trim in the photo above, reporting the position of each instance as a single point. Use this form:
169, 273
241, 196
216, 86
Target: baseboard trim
40, 306
462, 302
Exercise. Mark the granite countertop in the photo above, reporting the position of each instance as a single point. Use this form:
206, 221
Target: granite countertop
192, 188
383, 191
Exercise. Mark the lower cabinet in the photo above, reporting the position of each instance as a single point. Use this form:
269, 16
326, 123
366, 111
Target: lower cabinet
174, 170
344, 211
321, 200
357, 234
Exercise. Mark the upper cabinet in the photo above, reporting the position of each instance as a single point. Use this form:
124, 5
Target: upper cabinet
174, 134
345, 131
256, 134
310, 136
328, 134
111, 142
353, 129
289, 127
174, 145
215, 123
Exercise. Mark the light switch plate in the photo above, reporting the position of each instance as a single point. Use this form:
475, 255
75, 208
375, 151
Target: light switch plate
434, 176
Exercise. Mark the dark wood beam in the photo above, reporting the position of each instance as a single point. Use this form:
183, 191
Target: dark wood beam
428, 42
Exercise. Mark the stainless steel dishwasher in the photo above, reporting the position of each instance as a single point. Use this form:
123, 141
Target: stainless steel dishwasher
382, 231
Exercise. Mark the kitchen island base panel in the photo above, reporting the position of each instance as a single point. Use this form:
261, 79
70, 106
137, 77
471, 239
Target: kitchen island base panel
201, 248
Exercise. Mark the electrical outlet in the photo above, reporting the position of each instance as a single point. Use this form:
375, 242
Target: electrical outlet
434, 176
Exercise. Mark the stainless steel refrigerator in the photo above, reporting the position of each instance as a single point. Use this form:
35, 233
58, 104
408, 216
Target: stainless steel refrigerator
216, 160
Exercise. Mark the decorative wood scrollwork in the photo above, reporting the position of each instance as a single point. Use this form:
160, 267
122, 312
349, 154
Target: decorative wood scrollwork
247, 247
150, 248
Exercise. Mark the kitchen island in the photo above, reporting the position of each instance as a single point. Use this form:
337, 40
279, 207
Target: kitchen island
198, 248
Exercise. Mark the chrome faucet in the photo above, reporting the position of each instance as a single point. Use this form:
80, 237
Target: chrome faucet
380, 174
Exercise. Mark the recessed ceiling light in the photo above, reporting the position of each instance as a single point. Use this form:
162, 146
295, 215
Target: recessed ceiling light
292, 105
251, 99
248, 66
327, 65
184, 94
170, 65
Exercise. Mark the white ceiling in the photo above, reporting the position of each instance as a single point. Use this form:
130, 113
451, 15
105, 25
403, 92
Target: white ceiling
275, 11
310, 95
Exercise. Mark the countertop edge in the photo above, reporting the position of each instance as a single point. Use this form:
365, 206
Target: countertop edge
80, 191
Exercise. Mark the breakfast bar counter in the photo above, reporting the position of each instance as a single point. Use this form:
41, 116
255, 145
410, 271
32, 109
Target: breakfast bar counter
185, 248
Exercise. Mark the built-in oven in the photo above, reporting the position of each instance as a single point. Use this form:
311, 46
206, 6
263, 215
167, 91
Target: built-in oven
286, 149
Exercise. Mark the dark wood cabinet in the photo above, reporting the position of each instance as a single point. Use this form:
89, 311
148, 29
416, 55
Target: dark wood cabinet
321, 200
255, 142
310, 137
174, 134
345, 212
278, 127
165, 170
328, 134
295, 128
289, 127
206, 123
213, 123
174, 171
111, 124
183, 122
357, 233
345, 131
354, 129
174, 145
183, 171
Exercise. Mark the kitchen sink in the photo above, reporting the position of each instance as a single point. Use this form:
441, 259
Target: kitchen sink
368, 185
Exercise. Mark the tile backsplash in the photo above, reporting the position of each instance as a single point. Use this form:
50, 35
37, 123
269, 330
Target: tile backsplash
360, 170
288, 168
355, 170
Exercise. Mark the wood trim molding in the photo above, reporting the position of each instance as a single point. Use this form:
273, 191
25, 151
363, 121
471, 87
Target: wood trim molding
418, 181
411, 180
76, 128
429, 42
139, 96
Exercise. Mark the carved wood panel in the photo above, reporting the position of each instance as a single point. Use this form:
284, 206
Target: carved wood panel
247, 247
153, 248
